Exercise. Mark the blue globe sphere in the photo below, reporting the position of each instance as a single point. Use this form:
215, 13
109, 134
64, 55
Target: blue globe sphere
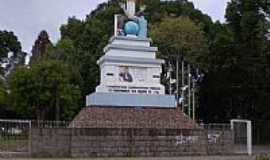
131, 28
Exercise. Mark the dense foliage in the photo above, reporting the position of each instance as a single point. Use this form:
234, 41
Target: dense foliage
11, 54
180, 36
238, 77
47, 90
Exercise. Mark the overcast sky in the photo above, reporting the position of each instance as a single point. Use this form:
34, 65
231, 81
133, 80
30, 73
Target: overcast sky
26, 18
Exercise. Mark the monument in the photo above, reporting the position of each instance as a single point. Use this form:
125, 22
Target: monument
129, 115
130, 94
129, 70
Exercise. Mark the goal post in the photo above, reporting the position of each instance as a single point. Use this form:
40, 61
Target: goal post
248, 132
15, 136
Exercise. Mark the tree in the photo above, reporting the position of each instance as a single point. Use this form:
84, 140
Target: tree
216, 89
47, 87
41, 47
180, 36
8, 43
71, 30
247, 21
65, 51
88, 39
157, 10
11, 54
239, 72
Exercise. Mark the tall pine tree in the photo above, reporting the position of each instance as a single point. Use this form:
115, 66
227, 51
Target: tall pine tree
40, 47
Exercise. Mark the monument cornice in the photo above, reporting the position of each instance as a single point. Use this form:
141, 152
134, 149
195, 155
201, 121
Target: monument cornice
123, 59
127, 38
130, 48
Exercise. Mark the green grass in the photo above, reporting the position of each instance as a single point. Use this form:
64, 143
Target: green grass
13, 145
263, 157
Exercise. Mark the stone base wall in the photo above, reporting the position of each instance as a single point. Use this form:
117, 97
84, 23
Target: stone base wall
51, 142
72, 142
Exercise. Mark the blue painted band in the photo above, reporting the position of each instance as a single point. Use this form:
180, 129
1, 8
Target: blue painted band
130, 100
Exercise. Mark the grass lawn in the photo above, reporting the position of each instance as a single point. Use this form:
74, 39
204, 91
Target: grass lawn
13, 145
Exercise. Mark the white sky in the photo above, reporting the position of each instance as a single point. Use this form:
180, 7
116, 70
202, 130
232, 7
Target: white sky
26, 18
214, 8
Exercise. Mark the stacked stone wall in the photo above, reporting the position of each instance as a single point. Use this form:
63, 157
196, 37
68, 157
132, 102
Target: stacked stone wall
74, 142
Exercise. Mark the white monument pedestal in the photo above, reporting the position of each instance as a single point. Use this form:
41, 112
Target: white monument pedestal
130, 75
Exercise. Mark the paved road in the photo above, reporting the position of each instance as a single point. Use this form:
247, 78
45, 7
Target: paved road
166, 158
257, 150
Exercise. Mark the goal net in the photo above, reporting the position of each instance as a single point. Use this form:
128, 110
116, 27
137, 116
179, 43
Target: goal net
14, 136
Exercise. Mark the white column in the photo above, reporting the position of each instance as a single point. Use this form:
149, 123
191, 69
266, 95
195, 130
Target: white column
249, 133
183, 85
193, 100
30, 139
249, 138
177, 80
232, 124
131, 8
115, 24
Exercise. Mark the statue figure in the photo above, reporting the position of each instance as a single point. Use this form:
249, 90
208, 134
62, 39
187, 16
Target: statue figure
142, 25
130, 10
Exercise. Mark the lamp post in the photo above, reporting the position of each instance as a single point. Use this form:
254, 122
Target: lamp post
186, 93
183, 83
193, 100
177, 80
189, 91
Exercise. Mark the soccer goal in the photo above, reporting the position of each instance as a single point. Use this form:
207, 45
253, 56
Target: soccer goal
15, 136
242, 131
